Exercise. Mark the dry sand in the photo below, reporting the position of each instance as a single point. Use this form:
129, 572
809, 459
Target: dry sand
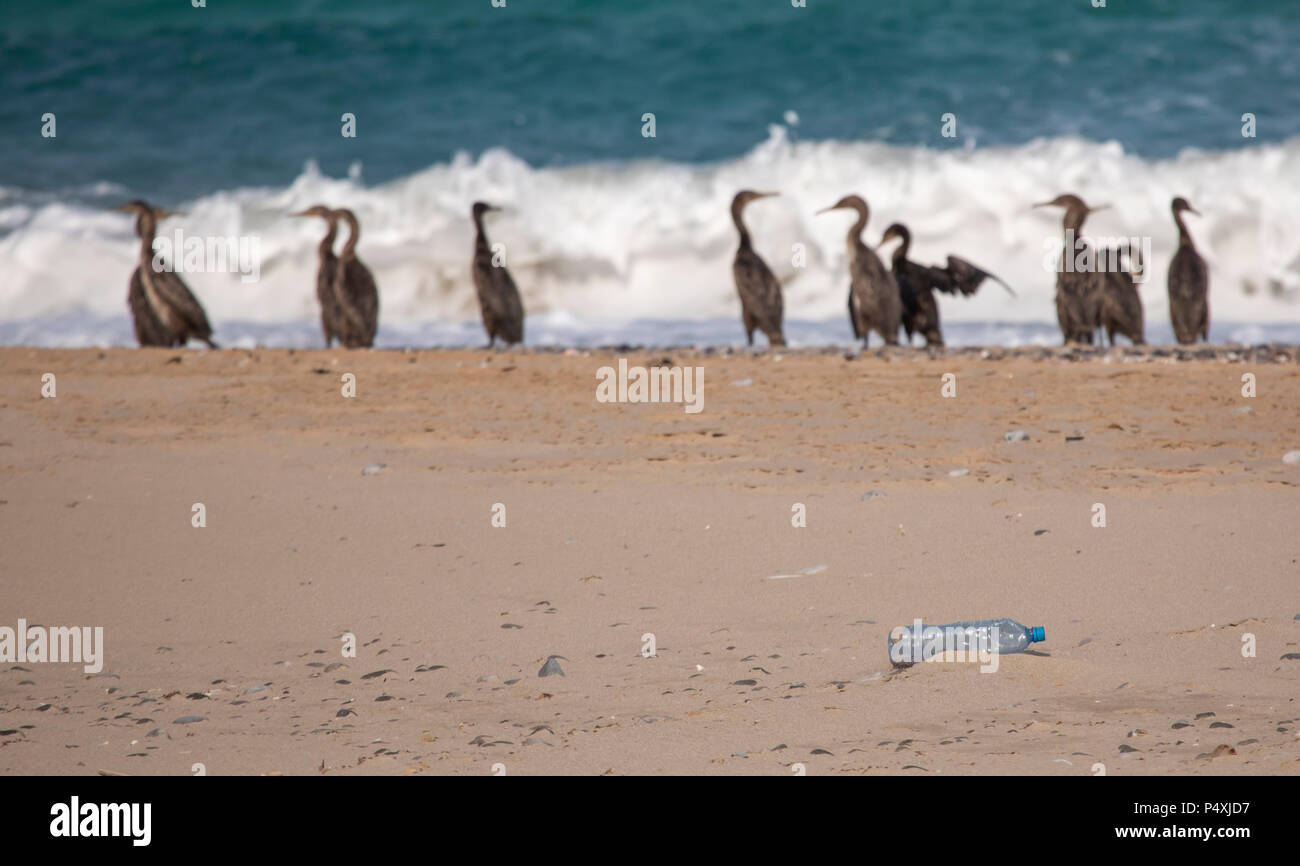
624, 520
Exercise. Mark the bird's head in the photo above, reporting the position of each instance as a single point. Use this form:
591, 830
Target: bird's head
1181, 204
482, 207
316, 210
897, 231
849, 202
1071, 202
745, 196
140, 207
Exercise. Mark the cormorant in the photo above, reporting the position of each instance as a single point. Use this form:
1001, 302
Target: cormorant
163, 309
760, 292
498, 298
874, 302
916, 284
1189, 284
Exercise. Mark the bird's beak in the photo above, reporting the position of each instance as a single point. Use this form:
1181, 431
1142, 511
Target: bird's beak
768, 194
301, 213
827, 209
1045, 204
1098, 207
1193, 210
163, 213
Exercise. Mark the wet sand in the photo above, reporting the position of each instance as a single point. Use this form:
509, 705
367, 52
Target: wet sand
626, 520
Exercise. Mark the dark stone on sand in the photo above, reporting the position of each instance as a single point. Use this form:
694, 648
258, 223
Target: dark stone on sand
822, 752
189, 720
1220, 725
1180, 724
1205, 715
373, 674
1290, 657
551, 668
745, 683
346, 711
1125, 747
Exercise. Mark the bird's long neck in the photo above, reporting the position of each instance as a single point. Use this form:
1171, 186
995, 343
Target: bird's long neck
326, 247
1074, 218
855, 231
354, 234
146, 227
1184, 236
900, 254
480, 233
740, 225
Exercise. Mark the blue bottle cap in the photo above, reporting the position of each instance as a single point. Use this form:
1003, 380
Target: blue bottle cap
1036, 634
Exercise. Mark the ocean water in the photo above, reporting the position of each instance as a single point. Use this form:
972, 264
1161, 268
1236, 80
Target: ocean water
231, 113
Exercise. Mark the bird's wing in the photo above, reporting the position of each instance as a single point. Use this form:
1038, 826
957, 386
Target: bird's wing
1188, 276
960, 276
362, 295
149, 330
173, 292
507, 307
759, 290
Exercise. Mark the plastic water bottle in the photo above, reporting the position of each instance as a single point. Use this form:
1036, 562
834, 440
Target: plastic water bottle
918, 642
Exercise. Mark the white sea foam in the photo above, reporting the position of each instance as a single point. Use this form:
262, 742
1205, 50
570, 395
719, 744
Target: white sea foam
643, 250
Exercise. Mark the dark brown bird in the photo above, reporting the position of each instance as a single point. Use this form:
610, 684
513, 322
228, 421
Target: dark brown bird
917, 283
163, 309
874, 302
1078, 290
355, 292
1189, 284
1121, 305
761, 306
498, 298
326, 272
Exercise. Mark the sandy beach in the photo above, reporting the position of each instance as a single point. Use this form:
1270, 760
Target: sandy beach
373, 516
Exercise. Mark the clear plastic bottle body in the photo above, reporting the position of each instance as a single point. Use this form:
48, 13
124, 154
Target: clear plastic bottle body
919, 642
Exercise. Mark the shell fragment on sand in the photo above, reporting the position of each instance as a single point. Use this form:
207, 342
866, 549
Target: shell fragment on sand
812, 569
